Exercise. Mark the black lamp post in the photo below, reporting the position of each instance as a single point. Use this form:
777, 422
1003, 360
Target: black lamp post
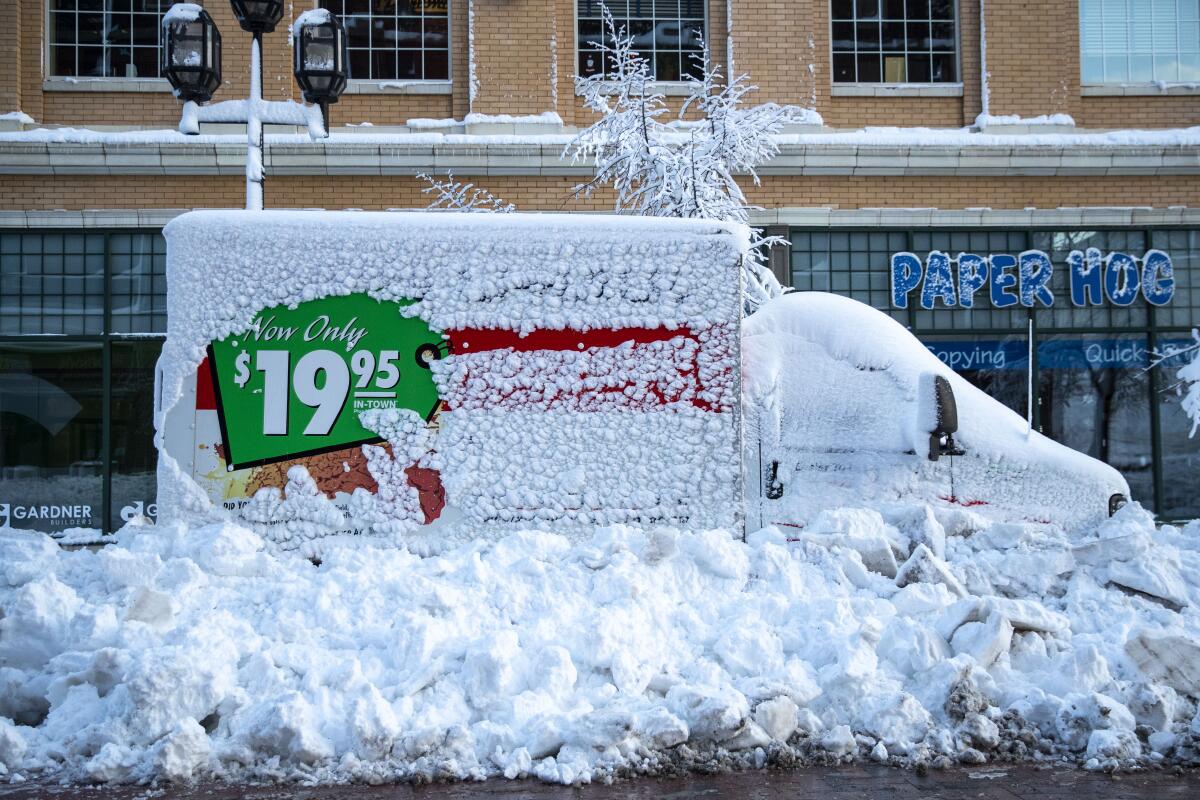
191, 56
191, 53
321, 62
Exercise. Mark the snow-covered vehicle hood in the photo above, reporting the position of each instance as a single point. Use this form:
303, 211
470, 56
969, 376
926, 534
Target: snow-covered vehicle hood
834, 394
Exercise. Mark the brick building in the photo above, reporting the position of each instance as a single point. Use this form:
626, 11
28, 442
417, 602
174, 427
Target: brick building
1024, 98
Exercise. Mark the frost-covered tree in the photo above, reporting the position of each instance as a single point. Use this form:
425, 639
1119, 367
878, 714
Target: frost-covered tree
1188, 386
682, 164
455, 195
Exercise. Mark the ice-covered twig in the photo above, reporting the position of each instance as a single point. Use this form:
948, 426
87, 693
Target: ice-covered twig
1188, 385
462, 196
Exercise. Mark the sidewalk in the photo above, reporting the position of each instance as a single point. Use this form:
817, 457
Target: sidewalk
850, 783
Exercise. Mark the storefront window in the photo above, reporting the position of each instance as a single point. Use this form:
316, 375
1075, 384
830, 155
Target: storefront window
1184, 248
51, 283
983, 315
1180, 450
1059, 246
134, 458
51, 404
58, 289
854, 264
1094, 393
139, 282
999, 365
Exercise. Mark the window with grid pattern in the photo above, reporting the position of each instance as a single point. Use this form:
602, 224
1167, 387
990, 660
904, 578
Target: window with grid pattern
894, 41
396, 40
668, 33
105, 38
51, 283
1140, 41
982, 316
854, 264
139, 282
1184, 248
1058, 245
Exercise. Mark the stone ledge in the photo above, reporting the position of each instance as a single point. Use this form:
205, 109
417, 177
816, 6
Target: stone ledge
106, 85
535, 158
897, 90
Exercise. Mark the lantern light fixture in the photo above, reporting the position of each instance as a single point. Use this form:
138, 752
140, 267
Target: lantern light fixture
321, 61
191, 53
257, 16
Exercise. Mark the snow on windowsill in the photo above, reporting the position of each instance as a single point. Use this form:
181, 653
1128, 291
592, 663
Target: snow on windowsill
984, 121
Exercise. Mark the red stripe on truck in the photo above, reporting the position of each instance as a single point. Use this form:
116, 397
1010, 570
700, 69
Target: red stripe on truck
478, 340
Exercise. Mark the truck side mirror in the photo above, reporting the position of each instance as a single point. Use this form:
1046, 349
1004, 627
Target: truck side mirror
941, 438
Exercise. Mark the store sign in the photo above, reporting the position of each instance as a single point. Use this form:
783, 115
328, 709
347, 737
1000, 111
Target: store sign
983, 354
295, 382
45, 515
1006, 280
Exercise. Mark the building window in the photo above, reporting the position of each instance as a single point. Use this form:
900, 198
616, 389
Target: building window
1140, 41
668, 33
396, 40
894, 41
105, 38
81, 318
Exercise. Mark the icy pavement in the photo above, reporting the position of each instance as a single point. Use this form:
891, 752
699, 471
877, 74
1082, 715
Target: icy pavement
198, 653
868, 782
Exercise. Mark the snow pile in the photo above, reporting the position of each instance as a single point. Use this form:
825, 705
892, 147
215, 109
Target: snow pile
182, 653
855, 423
1055, 120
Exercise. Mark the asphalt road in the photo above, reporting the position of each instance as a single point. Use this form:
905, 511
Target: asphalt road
851, 783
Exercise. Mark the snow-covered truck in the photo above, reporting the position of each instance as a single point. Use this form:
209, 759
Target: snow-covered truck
441, 376
434, 376
846, 408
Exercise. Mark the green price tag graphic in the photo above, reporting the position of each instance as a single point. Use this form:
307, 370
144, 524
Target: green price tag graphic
294, 383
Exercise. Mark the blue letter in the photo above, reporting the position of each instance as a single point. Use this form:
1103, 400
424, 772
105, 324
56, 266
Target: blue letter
1036, 270
938, 281
972, 275
1158, 278
906, 274
1087, 278
1121, 279
1002, 280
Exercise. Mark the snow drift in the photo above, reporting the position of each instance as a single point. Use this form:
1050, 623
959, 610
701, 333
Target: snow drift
833, 392
185, 652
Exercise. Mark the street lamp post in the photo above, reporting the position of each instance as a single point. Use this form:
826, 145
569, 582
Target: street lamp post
191, 61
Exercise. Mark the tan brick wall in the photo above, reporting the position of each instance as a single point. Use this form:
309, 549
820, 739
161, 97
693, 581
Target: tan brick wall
1033, 55
555, 193
10, 64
